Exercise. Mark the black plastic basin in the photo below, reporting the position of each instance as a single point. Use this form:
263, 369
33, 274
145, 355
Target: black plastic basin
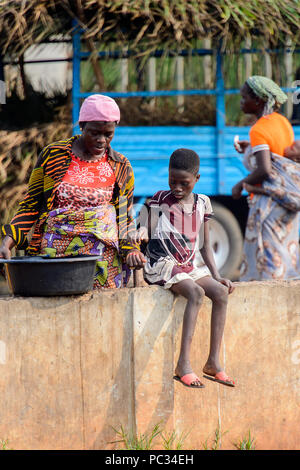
39, 276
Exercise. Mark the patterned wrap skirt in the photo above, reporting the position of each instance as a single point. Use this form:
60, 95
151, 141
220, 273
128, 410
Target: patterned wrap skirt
87, 232
271, 245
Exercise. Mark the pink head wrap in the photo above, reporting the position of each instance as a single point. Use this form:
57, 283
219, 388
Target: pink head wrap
99, 108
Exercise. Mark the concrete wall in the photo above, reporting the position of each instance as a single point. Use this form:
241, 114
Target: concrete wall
72, 368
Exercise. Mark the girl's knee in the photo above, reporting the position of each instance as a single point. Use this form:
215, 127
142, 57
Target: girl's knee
220, 294
197, 294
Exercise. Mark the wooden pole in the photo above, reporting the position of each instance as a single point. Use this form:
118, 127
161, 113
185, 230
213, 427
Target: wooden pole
180, 82
267, 61
93, 50
248, 58
124, 77
151, 76
207, 63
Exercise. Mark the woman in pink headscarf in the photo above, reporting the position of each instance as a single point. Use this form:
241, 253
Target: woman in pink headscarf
80, 198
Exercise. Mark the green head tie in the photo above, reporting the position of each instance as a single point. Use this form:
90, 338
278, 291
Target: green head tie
268, 91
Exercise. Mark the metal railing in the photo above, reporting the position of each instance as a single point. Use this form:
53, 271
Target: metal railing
219, 91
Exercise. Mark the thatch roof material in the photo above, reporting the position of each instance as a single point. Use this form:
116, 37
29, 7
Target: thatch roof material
146, 23
19, 151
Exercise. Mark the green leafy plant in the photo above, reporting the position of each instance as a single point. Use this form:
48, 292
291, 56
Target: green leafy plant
171, 442
133, 441
4, 444
216, 443
247, 443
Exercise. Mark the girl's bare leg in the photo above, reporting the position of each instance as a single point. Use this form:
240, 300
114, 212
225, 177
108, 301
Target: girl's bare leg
218, 293
194, 295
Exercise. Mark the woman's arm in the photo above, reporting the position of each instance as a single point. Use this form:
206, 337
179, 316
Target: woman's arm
257, 176
28, 210
124, 207
6, 247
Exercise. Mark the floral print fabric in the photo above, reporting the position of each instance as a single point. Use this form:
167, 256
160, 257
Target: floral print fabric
84, 222
91, 174
93, 232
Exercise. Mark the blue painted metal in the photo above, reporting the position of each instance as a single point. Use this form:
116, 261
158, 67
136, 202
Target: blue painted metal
149, 148
76, 80
147, 94
220, 125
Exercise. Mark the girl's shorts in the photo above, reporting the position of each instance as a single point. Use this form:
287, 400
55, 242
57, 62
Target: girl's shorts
162, 272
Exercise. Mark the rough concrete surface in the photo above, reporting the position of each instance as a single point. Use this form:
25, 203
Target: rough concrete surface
75, 368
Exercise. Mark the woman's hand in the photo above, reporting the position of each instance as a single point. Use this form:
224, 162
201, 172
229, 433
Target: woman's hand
6, 247
5, 252
135, 259
293, 152
258, 175
227, 283
254, 189
237, 190
241, 145
139, 235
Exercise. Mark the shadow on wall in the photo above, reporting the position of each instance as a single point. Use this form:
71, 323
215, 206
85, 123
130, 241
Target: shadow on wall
154, 331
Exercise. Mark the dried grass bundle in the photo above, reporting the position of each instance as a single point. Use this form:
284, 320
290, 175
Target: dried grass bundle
147, 24
19, 151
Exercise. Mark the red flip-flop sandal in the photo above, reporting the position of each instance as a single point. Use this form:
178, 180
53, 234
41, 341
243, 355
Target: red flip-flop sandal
221, 378
188, 379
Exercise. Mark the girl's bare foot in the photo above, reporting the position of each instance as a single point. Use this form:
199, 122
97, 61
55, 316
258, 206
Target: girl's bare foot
211, 369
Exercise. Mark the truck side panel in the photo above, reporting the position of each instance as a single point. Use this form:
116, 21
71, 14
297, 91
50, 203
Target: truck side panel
149, 149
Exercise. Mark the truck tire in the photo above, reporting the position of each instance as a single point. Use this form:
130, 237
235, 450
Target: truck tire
227, 241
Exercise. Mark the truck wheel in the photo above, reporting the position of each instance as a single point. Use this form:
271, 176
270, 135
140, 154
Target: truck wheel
227, 241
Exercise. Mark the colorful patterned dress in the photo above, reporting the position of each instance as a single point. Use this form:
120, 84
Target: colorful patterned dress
171, 251
83, 221
271, 245
77, 207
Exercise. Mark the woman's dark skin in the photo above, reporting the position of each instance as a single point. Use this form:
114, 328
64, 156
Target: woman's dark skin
6, 247
251, 104
94, 139
91, 145
293, 152
215, 287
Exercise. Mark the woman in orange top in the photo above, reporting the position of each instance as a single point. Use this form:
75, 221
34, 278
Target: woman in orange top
271, 246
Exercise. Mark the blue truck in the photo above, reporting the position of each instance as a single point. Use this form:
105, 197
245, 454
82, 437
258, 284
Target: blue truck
149, 148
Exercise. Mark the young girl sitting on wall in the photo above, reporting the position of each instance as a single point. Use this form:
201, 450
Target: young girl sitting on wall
175, 220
